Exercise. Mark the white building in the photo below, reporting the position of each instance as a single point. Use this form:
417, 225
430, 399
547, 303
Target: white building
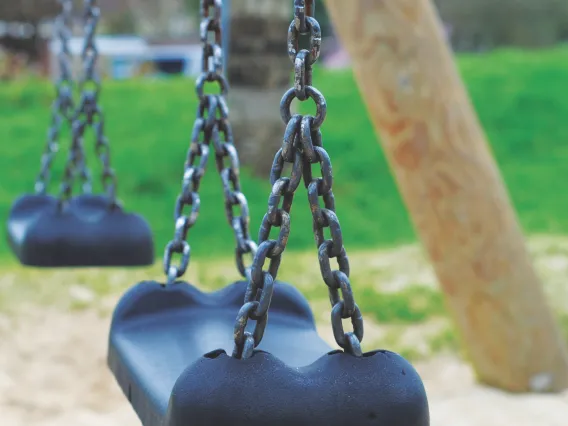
122, 57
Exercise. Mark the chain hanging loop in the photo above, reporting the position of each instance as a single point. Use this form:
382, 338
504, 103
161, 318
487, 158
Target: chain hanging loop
63, 106
211, 133
302, 146
302, 10
303, 59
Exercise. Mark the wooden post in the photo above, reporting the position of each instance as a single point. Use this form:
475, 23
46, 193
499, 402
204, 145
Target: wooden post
453, 190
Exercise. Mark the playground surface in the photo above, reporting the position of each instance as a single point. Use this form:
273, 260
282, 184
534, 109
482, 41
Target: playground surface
53, 359
55, 375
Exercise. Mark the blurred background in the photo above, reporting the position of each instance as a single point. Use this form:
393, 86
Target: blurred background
157, 36
513, 58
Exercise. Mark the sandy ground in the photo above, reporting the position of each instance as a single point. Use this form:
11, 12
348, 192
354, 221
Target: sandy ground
53, 373
53, 359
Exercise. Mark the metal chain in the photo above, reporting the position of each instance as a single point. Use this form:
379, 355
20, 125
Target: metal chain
302, 147
63, 106
89, 115
211, 127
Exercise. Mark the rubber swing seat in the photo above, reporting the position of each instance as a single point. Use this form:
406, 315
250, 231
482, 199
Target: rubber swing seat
87, 232
159, 335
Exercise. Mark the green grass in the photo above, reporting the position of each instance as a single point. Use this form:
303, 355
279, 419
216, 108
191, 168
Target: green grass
402, 306
521, 99
413, 304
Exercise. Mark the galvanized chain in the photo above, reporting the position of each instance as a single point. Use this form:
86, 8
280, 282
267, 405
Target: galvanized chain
63, 106
301, 147
89, 115
211, 127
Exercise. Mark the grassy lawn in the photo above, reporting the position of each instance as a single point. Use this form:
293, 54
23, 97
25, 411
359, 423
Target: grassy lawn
520, 97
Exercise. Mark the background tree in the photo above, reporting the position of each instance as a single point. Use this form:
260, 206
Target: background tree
122, 23
486, 23
193, 8
259, 71
28, 10
31, 12
156, 18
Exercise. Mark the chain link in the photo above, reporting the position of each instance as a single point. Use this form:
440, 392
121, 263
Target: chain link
63, 106
89, 115
302, 10
211, 127
302, 146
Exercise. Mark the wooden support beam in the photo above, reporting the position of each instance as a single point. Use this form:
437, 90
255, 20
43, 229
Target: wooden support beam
453, 190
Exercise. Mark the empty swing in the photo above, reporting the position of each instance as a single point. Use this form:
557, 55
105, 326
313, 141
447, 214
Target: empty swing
169, 343
88, 229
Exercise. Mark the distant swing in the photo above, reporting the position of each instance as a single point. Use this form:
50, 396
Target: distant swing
84, 230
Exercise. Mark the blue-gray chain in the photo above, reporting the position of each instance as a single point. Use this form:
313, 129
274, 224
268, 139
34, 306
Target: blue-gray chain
211, 127
302, 146
62, 108
89, 115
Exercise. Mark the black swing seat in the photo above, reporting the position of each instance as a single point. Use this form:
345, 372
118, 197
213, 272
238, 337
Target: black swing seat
89, 231
159, 335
